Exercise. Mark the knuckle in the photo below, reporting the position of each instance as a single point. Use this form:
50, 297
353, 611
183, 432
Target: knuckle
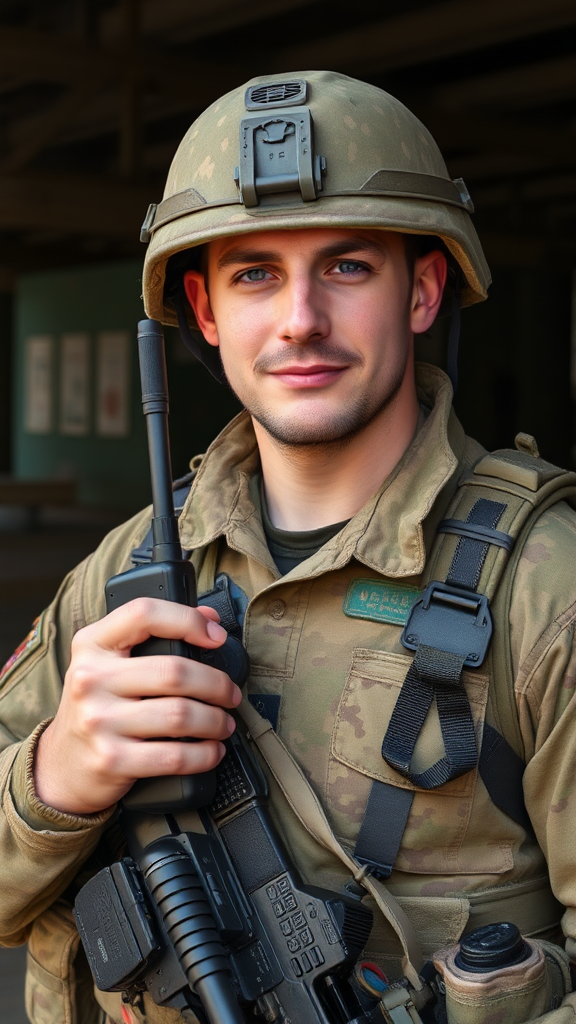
172, 672
177, 716
106, 756
221, 724
219, 685
91, 719
141, 610
173, 760
80, 678
207, 755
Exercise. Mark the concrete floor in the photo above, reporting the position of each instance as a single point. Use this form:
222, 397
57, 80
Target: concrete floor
32, 564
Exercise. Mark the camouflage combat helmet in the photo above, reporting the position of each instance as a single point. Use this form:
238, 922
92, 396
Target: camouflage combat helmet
312, 149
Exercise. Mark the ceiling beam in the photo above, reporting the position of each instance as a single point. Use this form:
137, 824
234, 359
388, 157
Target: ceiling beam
482, 133
433, 32
509, 248
550, 188
528, 85
54, 57
46, 127
77, 204
173, 21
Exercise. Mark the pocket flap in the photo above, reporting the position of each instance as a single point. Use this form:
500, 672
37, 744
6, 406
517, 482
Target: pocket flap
374, 682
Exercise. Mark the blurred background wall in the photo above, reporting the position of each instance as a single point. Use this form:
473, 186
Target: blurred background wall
96, 94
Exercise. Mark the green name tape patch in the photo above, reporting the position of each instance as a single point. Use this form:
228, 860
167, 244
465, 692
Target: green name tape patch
380, 602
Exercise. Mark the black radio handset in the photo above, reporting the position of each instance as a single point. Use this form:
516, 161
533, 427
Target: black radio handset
168, 576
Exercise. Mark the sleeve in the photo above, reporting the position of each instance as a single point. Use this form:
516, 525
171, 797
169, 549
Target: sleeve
42, 849
543, 641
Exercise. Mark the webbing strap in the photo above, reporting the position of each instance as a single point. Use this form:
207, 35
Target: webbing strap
501, 771
470, 554
307, 808
382, 827
443, 640
433, 673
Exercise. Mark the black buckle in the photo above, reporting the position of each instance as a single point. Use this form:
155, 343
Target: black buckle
450, 619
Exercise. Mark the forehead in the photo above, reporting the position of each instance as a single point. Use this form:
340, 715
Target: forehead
312, 241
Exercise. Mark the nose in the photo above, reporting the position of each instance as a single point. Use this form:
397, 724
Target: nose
302, 316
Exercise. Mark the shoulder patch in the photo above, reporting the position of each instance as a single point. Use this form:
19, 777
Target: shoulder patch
379, 601
29, 644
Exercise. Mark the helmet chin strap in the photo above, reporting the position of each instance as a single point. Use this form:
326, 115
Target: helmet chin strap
209, 357
454, 333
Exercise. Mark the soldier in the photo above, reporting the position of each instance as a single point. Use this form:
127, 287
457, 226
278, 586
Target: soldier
309, 229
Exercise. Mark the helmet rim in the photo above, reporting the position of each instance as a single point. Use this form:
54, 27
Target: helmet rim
405, 216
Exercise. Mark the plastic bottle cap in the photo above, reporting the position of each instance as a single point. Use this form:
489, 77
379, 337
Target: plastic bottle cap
492, 947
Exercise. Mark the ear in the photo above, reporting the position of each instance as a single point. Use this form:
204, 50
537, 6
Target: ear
197, 295
430, 273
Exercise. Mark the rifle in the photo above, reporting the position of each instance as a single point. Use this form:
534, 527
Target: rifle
207, 912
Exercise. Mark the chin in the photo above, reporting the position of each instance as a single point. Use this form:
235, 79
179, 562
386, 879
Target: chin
301, 431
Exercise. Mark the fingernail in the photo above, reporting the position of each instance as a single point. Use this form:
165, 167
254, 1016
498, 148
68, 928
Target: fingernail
215, 631
236, 696
222, 750
230, 724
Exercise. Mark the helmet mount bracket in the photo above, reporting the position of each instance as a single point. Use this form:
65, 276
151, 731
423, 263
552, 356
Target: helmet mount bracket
277, 155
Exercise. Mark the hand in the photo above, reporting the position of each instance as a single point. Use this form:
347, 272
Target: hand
95, 748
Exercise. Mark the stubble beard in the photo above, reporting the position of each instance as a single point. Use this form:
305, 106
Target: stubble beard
340, 428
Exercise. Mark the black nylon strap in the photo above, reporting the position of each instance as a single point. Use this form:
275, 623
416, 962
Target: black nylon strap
501, 771
382, 827
470, 555
435, 673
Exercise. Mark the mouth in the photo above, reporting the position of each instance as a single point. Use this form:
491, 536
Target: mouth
315, 375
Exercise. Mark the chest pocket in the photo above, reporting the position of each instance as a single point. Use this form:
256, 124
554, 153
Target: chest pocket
454, 829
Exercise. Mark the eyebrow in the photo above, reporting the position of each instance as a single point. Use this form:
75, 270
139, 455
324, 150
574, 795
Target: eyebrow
237, 257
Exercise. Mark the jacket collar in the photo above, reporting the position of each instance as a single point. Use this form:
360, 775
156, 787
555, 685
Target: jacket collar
387, 534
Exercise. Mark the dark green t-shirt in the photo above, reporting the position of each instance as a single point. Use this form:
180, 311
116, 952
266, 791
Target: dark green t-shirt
289, 548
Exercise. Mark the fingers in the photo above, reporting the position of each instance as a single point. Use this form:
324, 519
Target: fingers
169, 676
135, 622
114, 707
162, 757
173, 717
153, 676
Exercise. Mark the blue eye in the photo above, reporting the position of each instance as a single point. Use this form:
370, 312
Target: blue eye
256, 274
350, 267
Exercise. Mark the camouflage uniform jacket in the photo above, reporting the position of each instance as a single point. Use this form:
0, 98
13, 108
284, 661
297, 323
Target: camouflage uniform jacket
337, 677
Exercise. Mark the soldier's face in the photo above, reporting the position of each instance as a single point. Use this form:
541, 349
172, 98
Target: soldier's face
315, 327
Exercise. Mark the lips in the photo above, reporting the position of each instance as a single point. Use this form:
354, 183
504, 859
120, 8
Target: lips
315, 375
305, 370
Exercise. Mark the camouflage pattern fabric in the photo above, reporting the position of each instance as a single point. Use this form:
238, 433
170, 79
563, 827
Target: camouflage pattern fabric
337, 676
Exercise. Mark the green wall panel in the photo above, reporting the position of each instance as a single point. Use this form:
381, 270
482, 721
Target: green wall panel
110, 471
